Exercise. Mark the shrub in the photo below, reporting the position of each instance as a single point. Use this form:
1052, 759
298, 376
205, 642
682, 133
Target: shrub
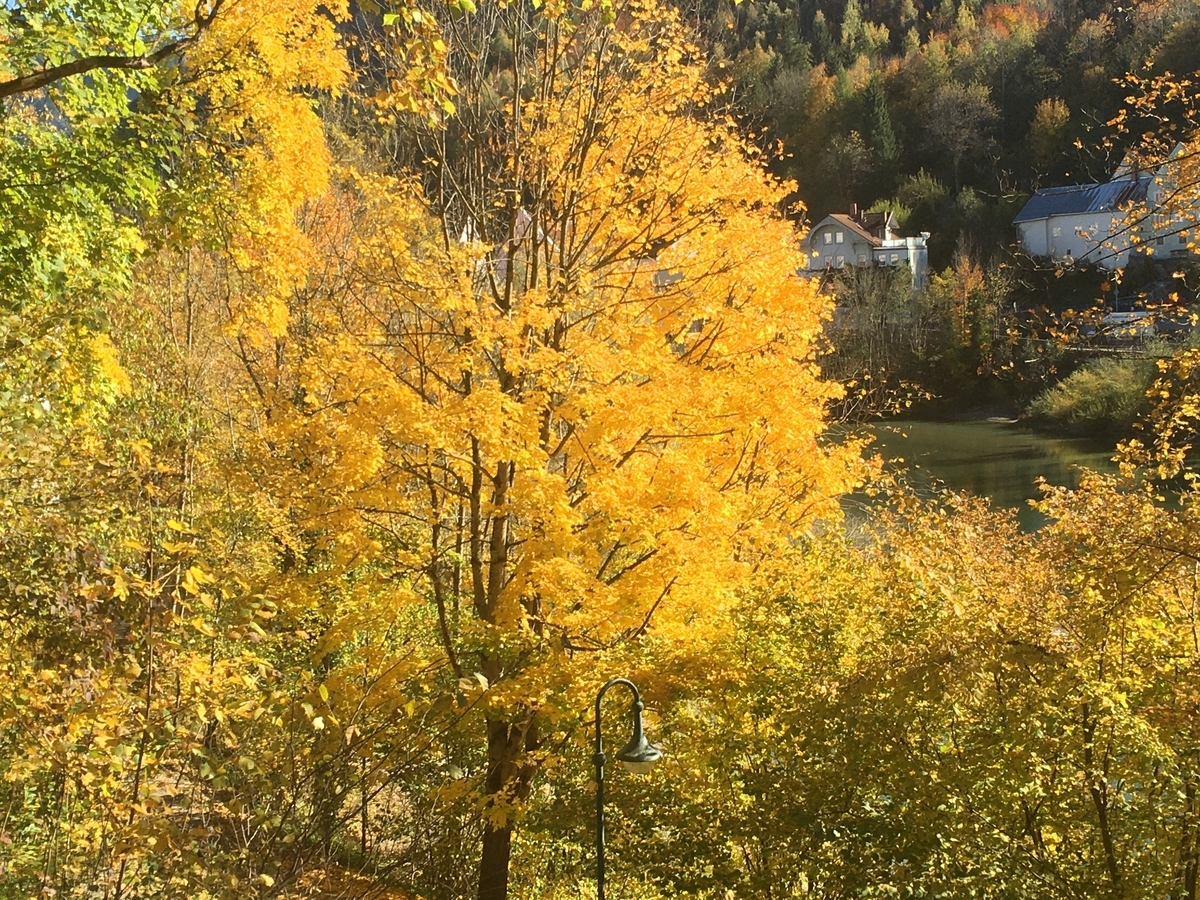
1103, 395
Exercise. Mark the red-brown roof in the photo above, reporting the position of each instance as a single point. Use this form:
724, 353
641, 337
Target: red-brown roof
877, 222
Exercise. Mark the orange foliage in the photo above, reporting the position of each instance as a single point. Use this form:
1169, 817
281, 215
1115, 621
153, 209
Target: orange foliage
1022, 19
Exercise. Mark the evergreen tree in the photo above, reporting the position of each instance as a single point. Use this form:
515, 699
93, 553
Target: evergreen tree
881, 133
794, 51
944, 15
806, 13
822, 41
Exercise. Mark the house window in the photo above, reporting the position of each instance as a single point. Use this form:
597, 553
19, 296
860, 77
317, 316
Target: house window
1183, 239
829, 237
895, 257
1056, 232
841, 261
1158, 241
839, 237
862, 259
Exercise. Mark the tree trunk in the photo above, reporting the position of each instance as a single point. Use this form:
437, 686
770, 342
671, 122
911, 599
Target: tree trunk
1098, 787
1189, 845
493, 864
508, 782
497, 838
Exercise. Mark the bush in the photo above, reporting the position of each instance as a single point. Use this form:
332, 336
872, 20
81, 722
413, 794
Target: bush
1104, 395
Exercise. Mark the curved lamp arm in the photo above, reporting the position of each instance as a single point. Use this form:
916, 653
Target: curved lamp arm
638, 706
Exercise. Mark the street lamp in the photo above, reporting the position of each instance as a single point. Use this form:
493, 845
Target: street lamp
638, 755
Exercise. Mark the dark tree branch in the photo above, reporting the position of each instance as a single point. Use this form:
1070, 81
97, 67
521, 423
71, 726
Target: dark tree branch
33, 81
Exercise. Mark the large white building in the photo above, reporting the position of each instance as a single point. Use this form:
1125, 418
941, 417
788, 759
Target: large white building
1080, 222
1104, 223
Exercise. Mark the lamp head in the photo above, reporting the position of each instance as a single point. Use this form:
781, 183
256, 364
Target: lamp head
638, 755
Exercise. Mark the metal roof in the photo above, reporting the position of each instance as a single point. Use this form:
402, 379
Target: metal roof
1075, 199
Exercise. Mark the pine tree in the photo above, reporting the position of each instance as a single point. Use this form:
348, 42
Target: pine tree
794, 51
822, 41
852, 31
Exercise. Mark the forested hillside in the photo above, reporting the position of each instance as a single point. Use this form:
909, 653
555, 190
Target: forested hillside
951, 113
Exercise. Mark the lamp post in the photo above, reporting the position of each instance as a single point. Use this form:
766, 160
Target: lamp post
638, 755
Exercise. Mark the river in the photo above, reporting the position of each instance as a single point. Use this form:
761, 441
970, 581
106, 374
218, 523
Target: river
992, 458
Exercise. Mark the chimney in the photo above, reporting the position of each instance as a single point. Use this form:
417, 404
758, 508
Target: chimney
854, 211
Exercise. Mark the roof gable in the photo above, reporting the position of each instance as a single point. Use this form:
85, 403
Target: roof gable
878, 223
849, 224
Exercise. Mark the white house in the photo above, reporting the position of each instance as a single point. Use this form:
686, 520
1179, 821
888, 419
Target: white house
841, 240
1080, 222
1101, 223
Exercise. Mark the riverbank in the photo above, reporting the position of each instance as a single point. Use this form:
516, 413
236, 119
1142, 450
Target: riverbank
1101, 400
1045, 426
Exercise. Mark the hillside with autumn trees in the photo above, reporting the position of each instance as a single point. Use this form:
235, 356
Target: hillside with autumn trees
377, 381
950, 112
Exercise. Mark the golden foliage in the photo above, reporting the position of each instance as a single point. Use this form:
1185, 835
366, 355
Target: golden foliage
572, 403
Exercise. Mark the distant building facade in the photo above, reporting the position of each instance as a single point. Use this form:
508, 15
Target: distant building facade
1080, 223
866, 239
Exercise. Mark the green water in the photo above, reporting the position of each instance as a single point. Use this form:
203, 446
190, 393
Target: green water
993, 459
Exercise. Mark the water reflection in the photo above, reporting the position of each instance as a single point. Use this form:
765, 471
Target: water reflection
994, 459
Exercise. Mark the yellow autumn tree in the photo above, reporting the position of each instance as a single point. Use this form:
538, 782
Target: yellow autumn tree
942, 705
564, 397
